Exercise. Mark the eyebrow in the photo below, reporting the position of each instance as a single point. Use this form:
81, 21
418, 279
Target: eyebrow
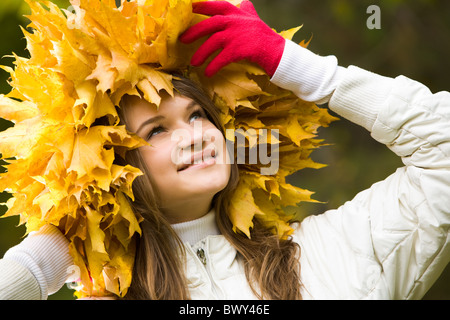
149, 121
190, 106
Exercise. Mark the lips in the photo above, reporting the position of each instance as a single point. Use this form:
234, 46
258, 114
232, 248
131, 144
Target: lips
200, 159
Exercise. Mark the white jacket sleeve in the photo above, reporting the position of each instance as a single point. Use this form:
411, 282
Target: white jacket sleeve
37, 267
392, 240
17, 282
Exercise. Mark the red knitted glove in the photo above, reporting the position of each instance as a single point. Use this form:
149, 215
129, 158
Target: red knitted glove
239, 32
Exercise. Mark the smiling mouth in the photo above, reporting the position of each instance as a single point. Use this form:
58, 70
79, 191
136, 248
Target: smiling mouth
199, 160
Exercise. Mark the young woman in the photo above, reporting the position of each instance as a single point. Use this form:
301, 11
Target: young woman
390, 242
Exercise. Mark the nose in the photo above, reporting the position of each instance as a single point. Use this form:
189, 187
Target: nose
190, 137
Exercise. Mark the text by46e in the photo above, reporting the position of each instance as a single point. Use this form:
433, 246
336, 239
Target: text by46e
246, 309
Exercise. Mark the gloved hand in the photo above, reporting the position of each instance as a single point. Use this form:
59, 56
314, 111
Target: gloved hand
239, 32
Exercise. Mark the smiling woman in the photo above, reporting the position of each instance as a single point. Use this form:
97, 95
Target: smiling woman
118, 163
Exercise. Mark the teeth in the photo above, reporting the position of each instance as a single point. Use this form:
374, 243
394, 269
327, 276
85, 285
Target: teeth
199, 161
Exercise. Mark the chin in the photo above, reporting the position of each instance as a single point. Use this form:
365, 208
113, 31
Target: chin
207, 181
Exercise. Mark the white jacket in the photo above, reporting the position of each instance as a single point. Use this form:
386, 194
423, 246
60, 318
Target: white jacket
390, 242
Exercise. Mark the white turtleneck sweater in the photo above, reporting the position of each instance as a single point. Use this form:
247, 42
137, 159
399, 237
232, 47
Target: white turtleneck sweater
194, 231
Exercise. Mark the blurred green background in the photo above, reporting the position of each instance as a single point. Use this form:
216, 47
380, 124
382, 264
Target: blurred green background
414, 40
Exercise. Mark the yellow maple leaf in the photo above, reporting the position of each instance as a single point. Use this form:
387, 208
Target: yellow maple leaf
16, 111
242, 208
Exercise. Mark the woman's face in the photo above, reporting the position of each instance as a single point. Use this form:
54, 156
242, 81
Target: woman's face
187, 156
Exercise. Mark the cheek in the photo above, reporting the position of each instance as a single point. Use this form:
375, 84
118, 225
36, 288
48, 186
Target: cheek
159, 163
222, 170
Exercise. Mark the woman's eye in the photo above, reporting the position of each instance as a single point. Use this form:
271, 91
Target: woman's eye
195, 116
155, 132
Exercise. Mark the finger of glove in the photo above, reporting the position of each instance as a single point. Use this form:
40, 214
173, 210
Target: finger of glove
214, 43
224, 58
248, 7
212, 8
202, 29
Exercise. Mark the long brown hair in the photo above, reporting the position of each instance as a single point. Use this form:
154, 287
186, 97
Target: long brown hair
271, 264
